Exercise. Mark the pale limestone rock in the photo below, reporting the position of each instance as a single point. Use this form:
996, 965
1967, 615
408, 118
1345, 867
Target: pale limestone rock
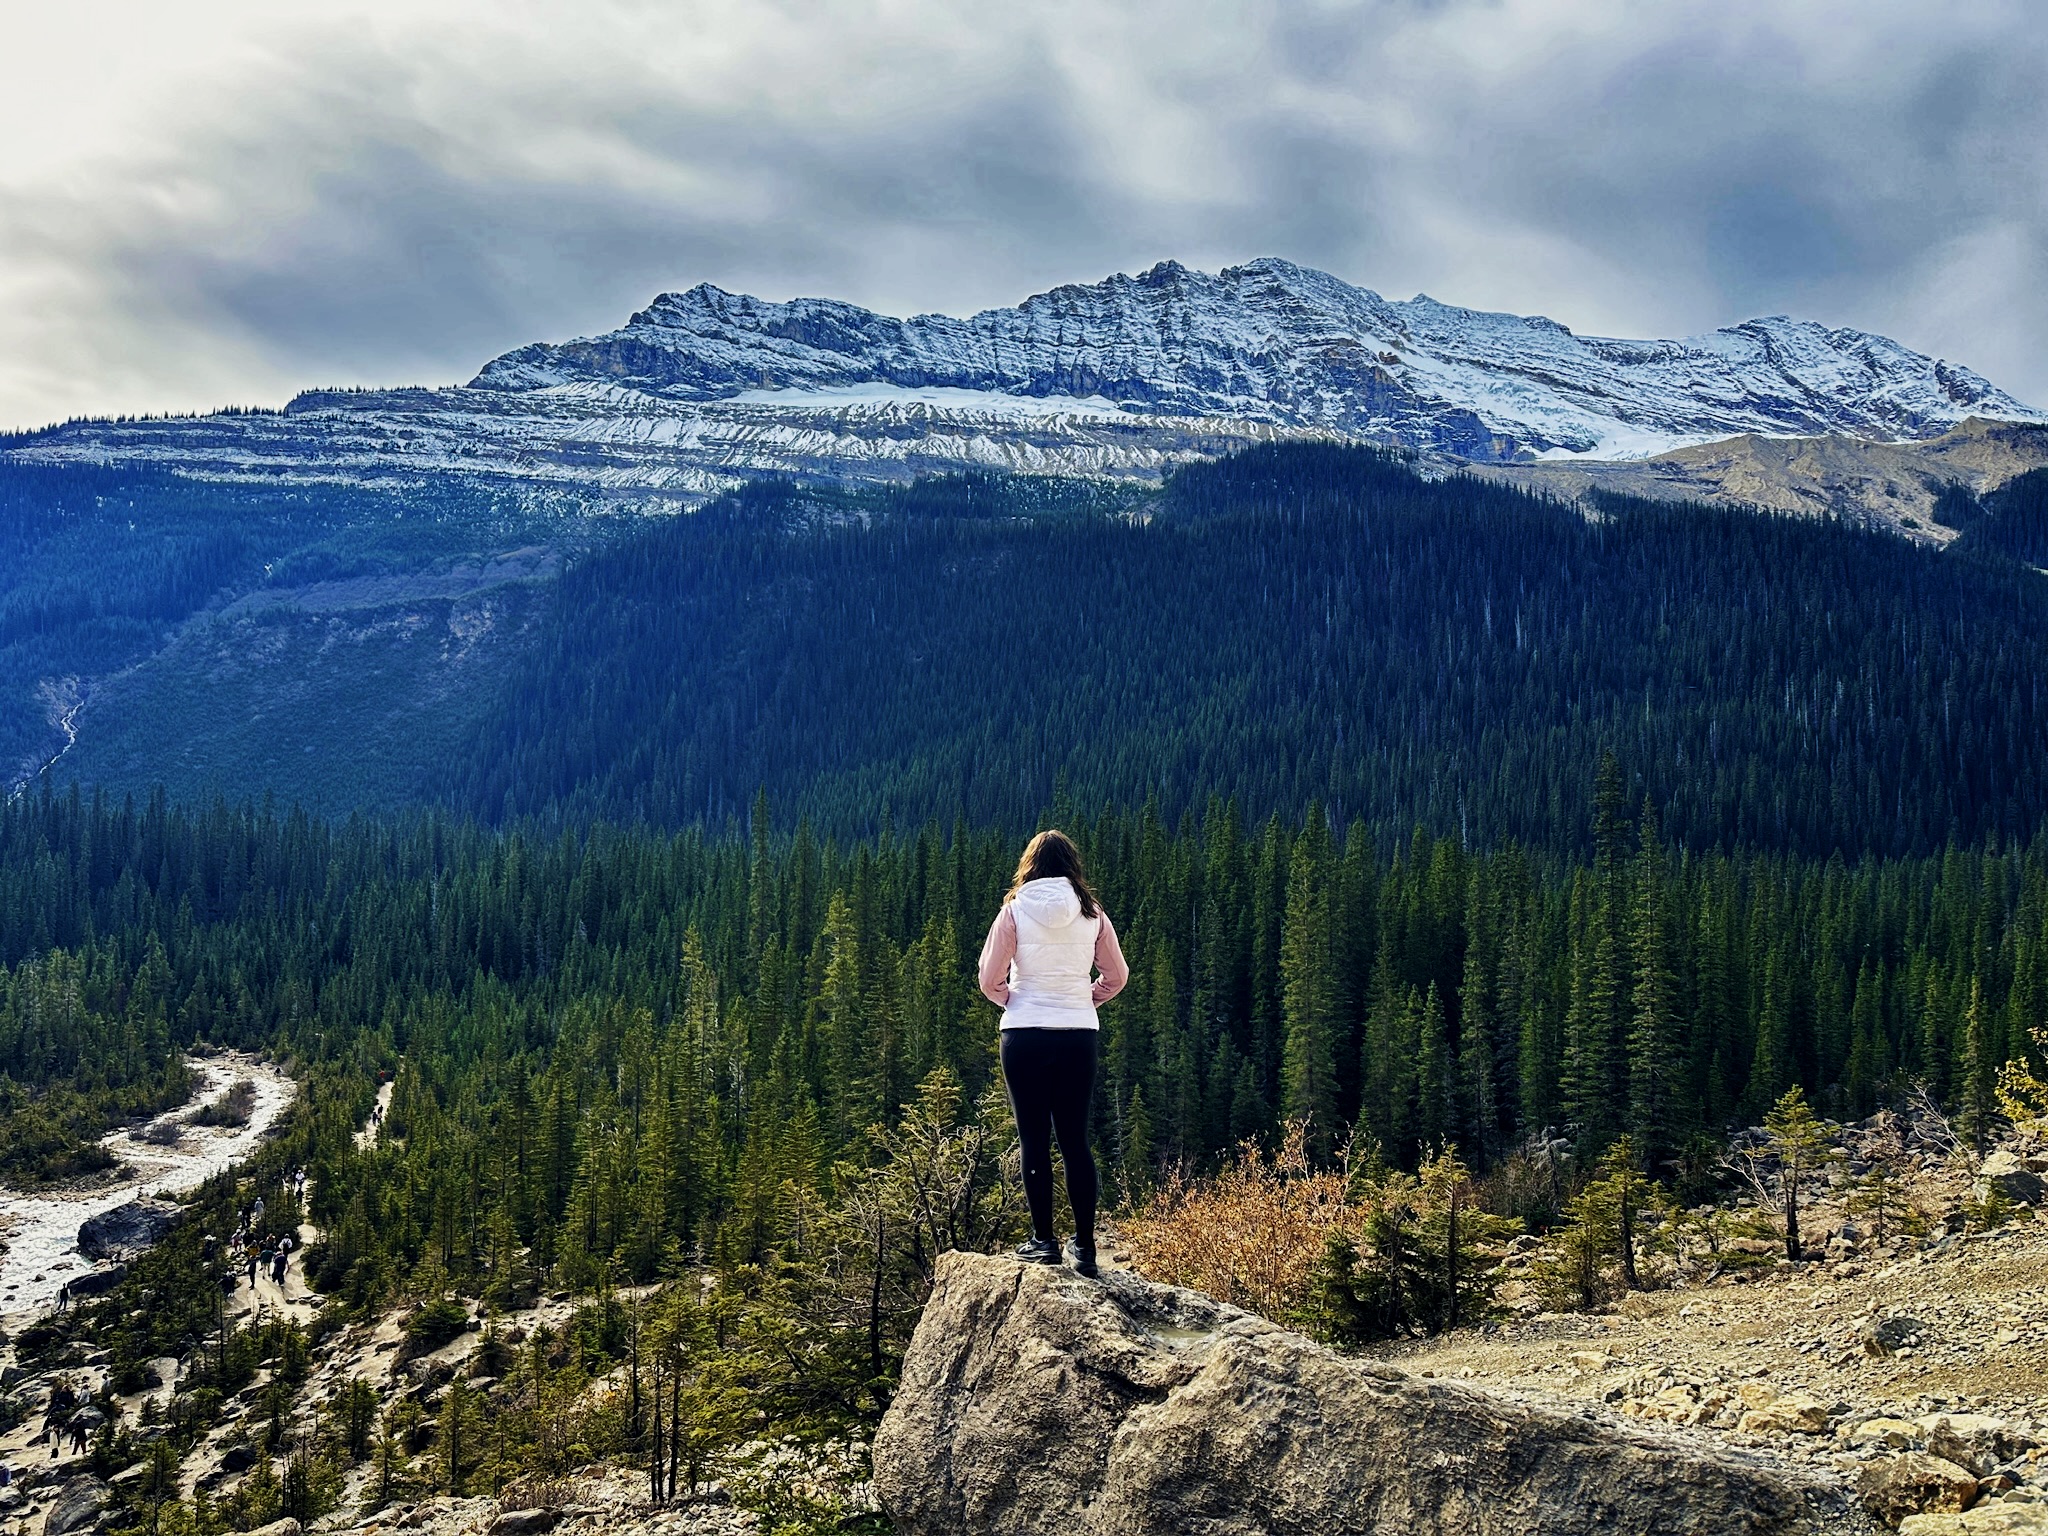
1916, 1483
1986, 1520
1033, 1401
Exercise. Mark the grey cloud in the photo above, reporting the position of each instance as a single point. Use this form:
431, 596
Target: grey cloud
386, 215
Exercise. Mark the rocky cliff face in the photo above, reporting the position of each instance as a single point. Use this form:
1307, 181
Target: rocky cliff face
1895, 485
1033, 1400
1124, 377
1276, 343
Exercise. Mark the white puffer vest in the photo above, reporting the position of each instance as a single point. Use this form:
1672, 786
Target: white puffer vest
1052, 979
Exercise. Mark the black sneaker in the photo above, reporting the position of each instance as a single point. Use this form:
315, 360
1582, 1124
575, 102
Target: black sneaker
1040, 1250
1082, 1256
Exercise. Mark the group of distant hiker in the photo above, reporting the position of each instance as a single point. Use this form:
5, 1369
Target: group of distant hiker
71, 1416
249, 1249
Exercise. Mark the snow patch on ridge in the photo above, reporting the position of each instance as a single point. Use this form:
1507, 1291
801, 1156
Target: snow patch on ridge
938, 398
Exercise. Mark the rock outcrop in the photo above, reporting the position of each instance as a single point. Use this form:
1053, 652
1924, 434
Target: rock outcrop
1034, 1400
76, 1508
126, 1230
97, 1282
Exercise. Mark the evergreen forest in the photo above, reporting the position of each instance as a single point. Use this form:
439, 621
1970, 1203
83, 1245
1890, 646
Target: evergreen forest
1290, 625
610, 1045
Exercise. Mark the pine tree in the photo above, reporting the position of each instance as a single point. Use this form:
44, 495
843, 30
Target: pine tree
1479, 1117
1137, 1147
844, 1027
1588, 1098
1308, 990
1627, 1192
1868, 1063
1654, 1023
1979, 1070
1460, 1239
1435, 1083
1774, 1069
1800, 1145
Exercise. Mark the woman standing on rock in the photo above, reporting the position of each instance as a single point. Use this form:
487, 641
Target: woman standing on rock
1051, 960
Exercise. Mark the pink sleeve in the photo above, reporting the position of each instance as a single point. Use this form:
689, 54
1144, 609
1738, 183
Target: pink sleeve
997, 952
1109, 960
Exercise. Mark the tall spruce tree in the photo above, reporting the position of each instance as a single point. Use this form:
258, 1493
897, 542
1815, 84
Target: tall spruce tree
1654, 1024
1309, 989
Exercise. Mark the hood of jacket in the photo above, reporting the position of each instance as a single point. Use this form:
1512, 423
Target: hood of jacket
1051, 902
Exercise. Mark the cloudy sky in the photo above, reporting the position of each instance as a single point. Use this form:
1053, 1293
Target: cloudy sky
206, 202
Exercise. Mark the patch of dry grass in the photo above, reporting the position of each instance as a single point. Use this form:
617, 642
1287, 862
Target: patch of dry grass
1251, 1235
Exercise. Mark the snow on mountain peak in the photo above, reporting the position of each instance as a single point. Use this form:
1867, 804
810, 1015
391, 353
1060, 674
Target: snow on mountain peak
1124, 377
1288, 346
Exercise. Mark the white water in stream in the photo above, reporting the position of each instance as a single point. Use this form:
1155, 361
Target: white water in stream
41, 1230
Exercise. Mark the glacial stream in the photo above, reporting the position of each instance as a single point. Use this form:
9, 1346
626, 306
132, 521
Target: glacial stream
40, 1231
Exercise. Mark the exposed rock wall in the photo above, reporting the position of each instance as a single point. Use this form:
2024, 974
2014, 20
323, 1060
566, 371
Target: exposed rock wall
127, 1230
1033, 1400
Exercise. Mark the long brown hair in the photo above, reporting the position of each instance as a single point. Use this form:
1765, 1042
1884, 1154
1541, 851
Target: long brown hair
1050, 854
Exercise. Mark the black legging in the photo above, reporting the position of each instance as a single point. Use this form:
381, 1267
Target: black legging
1051, 1077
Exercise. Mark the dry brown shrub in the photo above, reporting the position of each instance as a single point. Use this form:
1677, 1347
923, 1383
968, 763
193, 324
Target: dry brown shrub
1249, 1236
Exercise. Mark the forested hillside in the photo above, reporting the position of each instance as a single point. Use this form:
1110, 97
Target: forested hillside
1289, 625
1293, 625
245, 638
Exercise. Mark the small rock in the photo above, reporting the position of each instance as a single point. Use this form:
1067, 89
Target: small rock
237, 1458
1892, 1334
284, 1527
525, 1522
1915, 1483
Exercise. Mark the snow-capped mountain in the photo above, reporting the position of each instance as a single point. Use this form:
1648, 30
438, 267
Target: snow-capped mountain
1277, 343
1120, 377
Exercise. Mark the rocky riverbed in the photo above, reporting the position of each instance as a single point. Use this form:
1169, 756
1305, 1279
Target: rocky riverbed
39, 1230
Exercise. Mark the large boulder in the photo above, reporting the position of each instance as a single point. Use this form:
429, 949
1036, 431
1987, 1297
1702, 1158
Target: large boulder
1916, 1483
77, 1507
97, 1282
1974, 1440
2007, 1174
1984, 1520
127, 1230
238, 1458
1033, 1400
